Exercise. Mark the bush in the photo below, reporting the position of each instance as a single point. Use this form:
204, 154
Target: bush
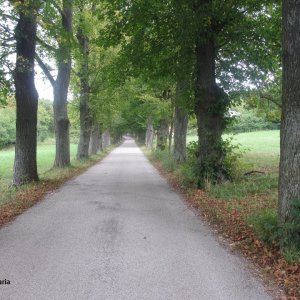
74, 135
265, 225
188, 170
45, 127
287, 235
188, 175
249, 121
232, 155
7, 126
230, 165
167, 161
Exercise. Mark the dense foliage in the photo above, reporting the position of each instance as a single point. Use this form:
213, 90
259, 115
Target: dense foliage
251, 120
8, 119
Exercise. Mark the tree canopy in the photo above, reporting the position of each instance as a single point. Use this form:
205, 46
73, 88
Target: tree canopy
145, 68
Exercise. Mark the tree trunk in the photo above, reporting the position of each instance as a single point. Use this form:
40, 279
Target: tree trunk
85, 119
25, 165
162, 134
180, 125
95, 140
149, 133
105, 139
100, 144
210, 107
61, 86
289, 169
171, 131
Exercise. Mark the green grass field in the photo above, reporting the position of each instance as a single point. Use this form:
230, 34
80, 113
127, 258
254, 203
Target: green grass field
261, 148
260, 152
45, 159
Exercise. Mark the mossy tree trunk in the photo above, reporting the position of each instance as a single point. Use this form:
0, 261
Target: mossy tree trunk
210, 107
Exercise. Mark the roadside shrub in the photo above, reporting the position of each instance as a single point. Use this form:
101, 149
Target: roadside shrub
287, 235
167, 161
188, 175
232, 156
230, 165
265, 225
188, 170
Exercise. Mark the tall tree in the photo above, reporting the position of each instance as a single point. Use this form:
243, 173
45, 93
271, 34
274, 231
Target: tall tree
210, 102
180, 121
289, 170
224, 37
61, 87
61, 83
85, 117
25, 166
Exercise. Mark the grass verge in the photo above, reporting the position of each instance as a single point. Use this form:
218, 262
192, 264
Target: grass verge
15, 201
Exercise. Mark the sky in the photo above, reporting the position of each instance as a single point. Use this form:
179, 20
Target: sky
43, 85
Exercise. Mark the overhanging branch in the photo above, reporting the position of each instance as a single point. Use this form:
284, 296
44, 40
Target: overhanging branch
263, 96
46, 45
45, 70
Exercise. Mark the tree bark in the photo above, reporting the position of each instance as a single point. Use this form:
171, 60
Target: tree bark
171, 131
210, 106
180, 125
25, 165
61, 86
95, 140
85, 119
162, 134
140, 137
105, 139
289, 169
149, 133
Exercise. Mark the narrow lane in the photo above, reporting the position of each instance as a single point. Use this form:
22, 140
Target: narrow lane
118, 232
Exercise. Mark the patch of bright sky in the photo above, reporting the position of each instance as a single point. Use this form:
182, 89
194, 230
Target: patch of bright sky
43, 85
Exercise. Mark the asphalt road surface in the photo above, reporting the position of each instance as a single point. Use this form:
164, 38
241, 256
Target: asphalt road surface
118, 232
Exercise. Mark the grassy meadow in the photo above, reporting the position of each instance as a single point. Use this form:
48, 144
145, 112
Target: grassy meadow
260, 152
261, 148
45, 159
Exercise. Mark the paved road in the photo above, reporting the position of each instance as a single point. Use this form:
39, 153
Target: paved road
118, 232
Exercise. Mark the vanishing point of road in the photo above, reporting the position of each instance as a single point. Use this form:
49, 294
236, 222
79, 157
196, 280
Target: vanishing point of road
118, 232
